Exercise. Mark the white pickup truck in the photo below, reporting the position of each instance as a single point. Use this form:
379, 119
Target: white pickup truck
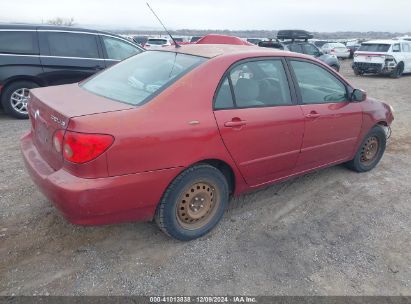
389, 57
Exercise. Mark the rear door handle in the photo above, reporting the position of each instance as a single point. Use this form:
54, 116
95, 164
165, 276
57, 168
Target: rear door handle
312, 114
235, 123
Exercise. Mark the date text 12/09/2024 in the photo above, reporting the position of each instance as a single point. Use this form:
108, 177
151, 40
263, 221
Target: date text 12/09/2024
203, 299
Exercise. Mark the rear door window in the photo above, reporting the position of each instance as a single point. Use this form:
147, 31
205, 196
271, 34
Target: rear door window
255, 84
19, 42
117, 49
72, 45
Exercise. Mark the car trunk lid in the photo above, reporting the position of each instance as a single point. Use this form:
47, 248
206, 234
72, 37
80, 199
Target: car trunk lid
368, 57
50, 109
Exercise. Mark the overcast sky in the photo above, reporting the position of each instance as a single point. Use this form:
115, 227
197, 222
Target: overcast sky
313, 15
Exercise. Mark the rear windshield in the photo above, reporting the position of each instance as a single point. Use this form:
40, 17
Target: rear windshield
135, 80
157, 41
374, 47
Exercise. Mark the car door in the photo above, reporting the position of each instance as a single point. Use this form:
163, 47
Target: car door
69, 57
259, 122
332, 121
406, 49
115, 49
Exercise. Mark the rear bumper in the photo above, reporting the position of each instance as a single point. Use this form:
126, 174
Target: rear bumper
373, 68
99, 201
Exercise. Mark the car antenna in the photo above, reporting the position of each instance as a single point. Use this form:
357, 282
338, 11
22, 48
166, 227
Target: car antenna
175, 42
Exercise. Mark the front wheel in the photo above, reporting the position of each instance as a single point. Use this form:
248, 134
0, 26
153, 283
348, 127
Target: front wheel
370, 151
397, 72
194, 203
336, 67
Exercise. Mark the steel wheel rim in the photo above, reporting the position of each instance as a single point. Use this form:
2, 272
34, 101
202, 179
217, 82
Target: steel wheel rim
19, 100
370, 151
197, 205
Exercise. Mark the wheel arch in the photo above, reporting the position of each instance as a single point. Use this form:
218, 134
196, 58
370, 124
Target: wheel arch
224, 168
16, 78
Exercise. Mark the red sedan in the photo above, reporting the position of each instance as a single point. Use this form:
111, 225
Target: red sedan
171, 134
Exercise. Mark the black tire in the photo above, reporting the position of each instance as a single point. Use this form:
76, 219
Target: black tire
397, 72
360, 163
358, 72
168, 214
6, 97
336, 67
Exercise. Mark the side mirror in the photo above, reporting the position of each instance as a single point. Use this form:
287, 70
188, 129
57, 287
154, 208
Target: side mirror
358, 95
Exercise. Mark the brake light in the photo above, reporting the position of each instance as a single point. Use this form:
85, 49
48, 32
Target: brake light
81, 147
58, 140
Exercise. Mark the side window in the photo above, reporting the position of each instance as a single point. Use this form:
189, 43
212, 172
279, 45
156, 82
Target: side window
295, 48
255, 84
309, 49
406, 47
72, 45
224, 99
396, 48
317, 85
18, 42
117, 49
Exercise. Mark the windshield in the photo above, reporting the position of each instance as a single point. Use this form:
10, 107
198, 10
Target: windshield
374, 47
135, 80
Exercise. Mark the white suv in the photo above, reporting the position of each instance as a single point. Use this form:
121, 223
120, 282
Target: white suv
389, 57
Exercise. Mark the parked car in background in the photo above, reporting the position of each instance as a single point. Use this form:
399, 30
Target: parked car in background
256, 40
157, 43
337, 49
319, 43
387, 57
37, 56
222, 39
140, 40
195, 38
108, 150
353, 48
302, 47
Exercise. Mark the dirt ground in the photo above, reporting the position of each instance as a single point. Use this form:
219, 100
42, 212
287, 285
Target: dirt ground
333, 232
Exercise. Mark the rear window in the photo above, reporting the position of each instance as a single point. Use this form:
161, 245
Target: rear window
157, 41
135, 80
18, 42
374, 47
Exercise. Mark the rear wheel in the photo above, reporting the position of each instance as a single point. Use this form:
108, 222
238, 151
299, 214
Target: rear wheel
370, 151
14, 98
194, 203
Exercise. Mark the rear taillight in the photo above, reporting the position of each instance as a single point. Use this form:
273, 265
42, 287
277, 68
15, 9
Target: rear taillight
58, 140
81, 147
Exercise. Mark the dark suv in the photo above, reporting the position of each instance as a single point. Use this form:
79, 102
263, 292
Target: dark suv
34, 56
297, 41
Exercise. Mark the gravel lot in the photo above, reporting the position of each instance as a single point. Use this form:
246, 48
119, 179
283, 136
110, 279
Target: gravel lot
333, 232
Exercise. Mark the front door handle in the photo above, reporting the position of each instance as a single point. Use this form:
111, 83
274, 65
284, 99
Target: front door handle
312, 114
235, 123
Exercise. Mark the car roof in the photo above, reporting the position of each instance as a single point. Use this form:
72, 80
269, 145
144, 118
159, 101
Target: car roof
214, 50
381, 41
22, 26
